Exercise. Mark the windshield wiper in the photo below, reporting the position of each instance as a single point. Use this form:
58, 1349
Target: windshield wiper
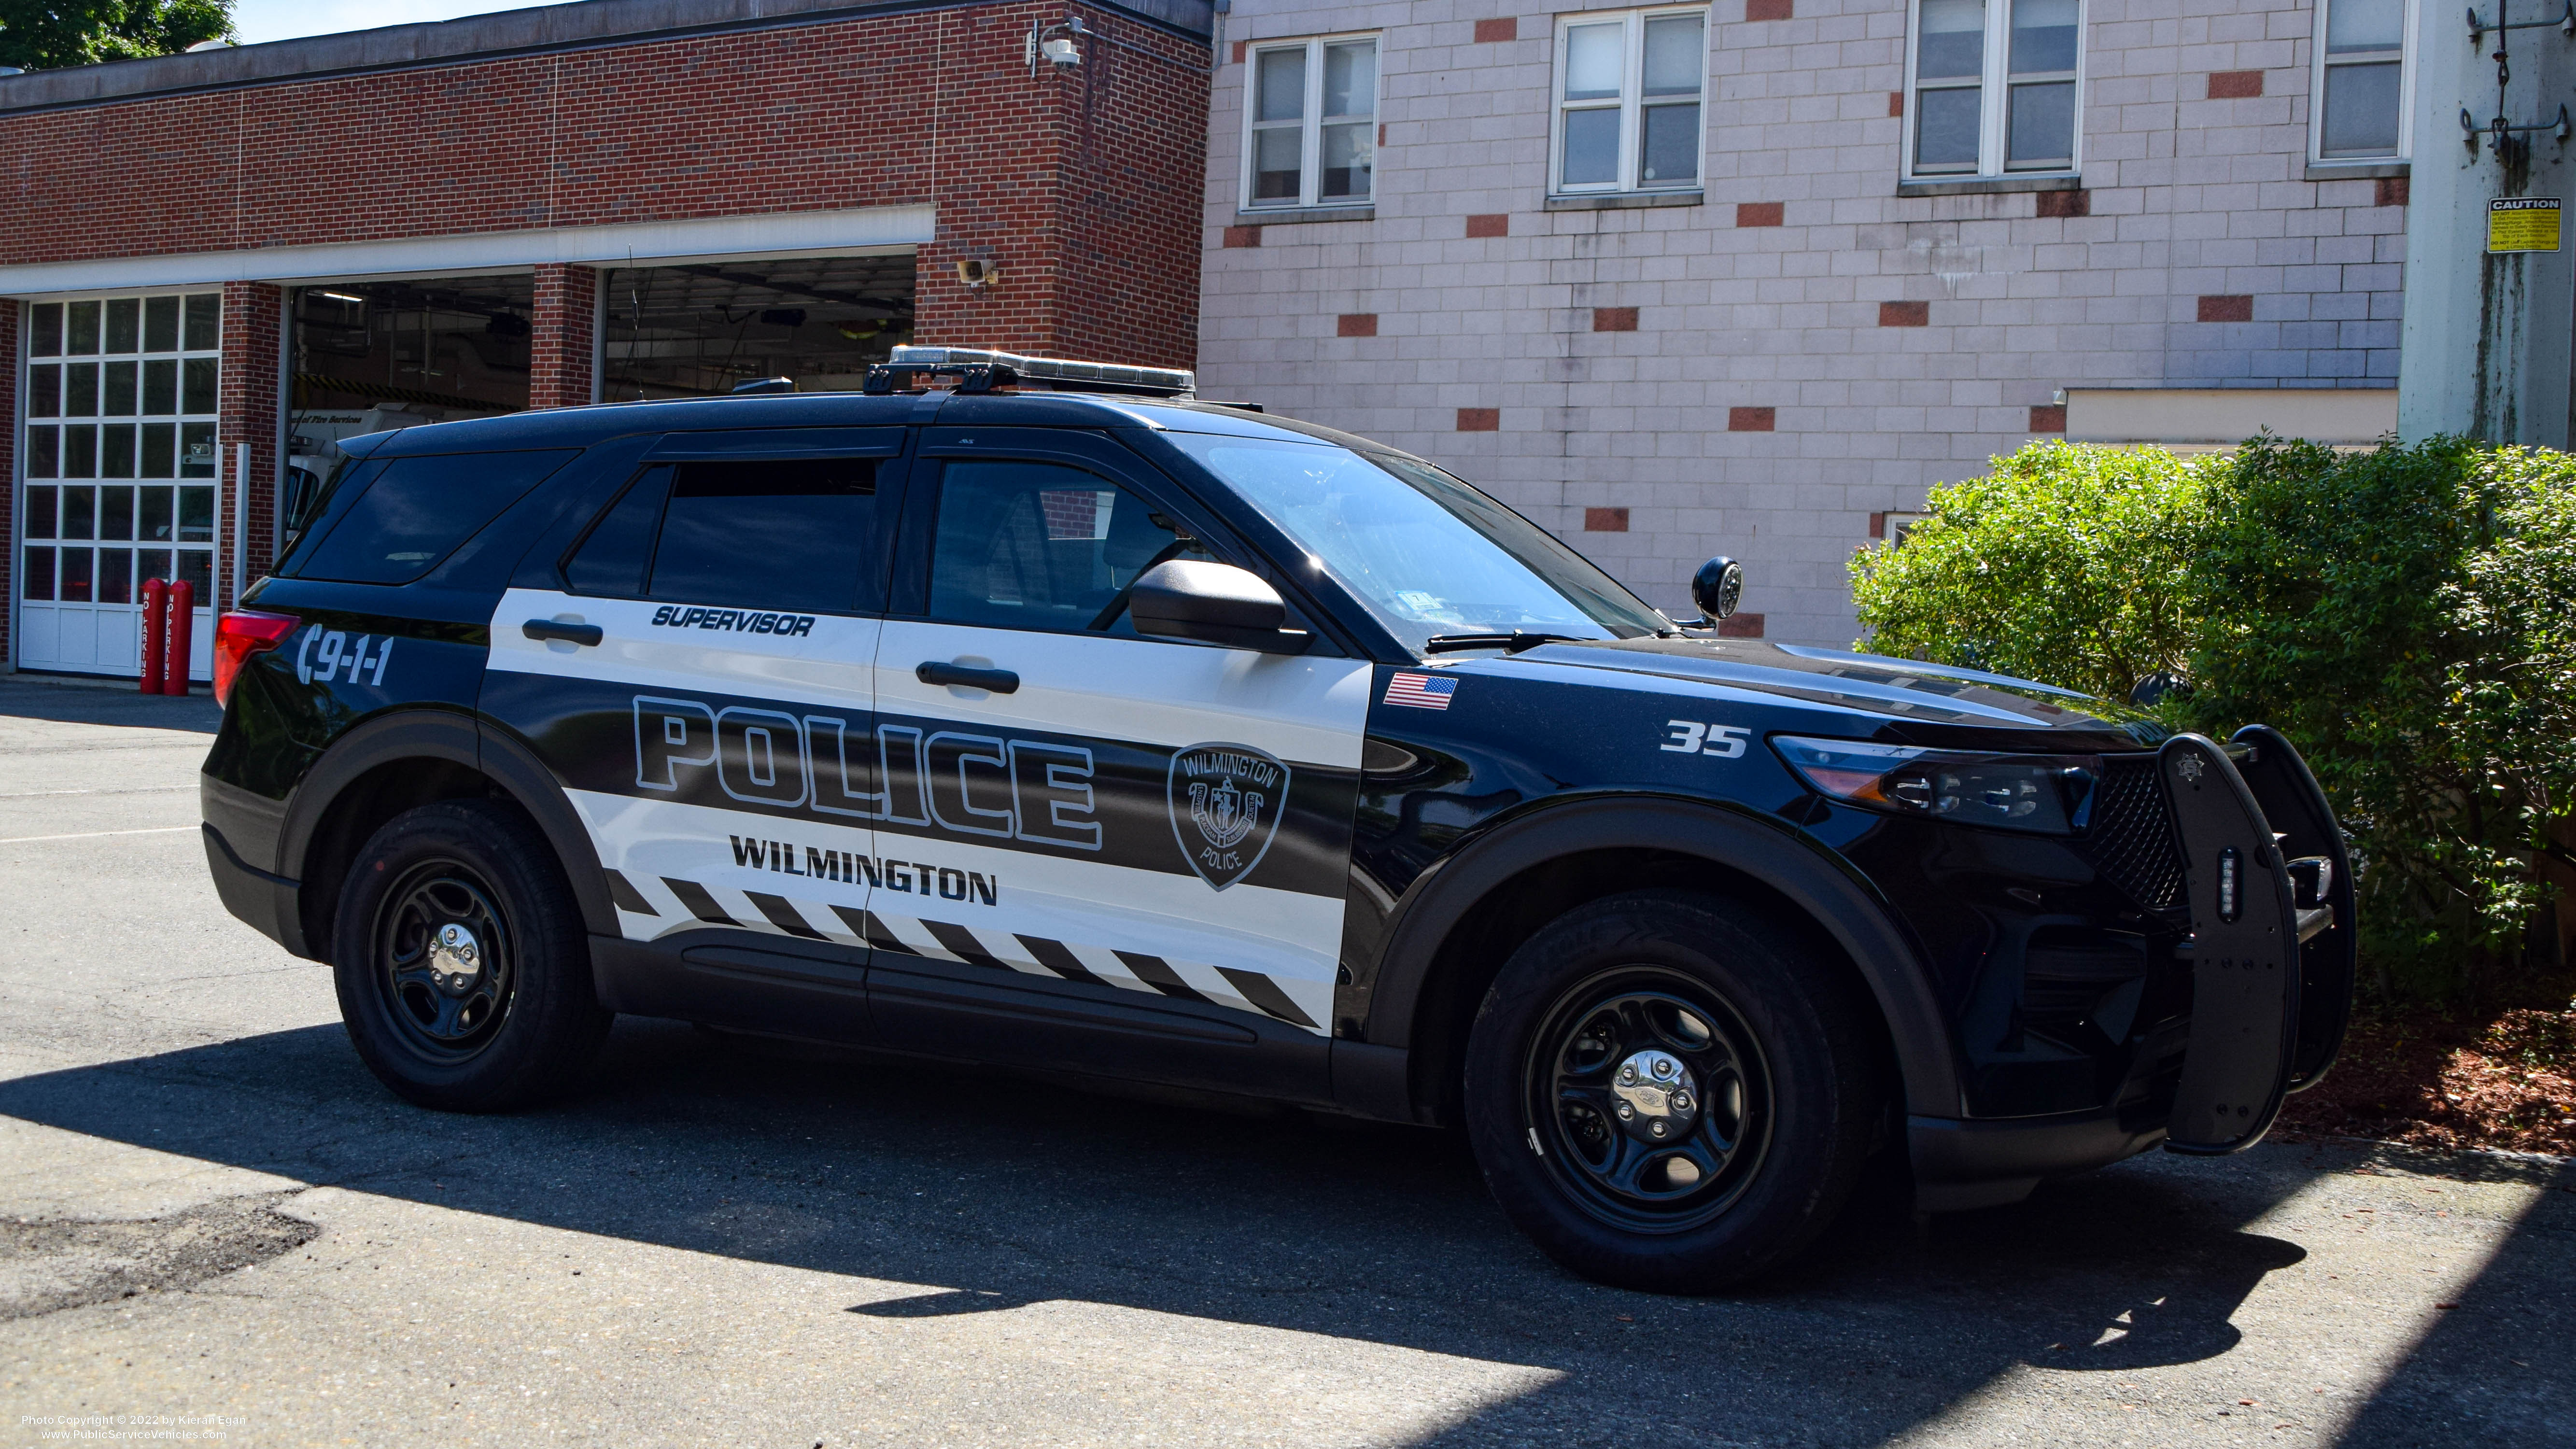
1511, 643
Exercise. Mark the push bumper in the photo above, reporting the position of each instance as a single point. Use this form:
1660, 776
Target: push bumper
2272, 958
268, 902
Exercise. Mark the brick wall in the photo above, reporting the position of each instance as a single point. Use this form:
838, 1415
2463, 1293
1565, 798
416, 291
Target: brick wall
1884, 343
563, 331
1135, 166
247, 412
1081, 185
1096, 172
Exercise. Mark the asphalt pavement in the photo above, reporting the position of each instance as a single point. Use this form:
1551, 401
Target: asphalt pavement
214, 1222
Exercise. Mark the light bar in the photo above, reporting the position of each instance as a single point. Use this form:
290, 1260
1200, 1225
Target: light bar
1169, 381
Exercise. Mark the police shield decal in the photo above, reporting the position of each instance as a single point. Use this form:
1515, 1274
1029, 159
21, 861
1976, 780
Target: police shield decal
1225, 803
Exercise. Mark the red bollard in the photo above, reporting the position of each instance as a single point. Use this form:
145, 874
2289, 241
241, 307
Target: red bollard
156, 633
183, 628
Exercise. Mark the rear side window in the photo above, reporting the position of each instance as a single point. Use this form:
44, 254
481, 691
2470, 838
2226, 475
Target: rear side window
771, 533
612, 560
418, 510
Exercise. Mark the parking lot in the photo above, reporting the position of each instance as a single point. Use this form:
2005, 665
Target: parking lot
209, 1211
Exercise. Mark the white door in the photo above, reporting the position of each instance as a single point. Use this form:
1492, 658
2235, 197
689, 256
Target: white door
1160, 818
118, 472
700, 683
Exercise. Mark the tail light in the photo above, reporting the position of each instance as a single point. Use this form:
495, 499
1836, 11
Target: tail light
241, 634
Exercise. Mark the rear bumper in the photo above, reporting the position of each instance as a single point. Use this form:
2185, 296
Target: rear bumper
268, 902
1961, 1164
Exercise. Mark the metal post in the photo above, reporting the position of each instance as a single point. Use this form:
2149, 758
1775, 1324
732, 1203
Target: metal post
241, 519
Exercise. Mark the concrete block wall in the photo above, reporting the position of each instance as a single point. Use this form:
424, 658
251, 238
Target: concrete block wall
1763, 372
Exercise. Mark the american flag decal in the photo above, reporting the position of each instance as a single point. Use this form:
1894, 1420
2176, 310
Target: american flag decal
1422, 691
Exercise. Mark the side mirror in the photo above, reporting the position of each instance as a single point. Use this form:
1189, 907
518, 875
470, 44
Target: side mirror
1717, 588
1213, 603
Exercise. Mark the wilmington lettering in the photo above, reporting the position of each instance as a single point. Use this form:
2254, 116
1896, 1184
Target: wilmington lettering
1232, 764
908, 877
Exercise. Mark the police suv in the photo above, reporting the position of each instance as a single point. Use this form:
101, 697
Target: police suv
1033, 713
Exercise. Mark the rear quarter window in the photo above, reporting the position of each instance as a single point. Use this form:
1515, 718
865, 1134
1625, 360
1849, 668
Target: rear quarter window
417, 510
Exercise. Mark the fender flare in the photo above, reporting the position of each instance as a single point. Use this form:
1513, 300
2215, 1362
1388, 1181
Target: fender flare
510, 762
456, 738
405, 734
1839, 901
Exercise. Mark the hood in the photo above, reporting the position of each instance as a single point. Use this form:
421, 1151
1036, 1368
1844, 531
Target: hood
1901, 700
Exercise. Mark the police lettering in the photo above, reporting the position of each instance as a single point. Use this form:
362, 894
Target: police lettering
1010, 789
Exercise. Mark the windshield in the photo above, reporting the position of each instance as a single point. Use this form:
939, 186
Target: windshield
1426, 553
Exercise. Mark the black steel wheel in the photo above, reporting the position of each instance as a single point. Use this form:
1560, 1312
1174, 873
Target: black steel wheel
444, 957
1667, 1091
1653, 1094
462, 963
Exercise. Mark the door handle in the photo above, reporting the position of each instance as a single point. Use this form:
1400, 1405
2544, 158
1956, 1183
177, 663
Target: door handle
965, 676
569, 633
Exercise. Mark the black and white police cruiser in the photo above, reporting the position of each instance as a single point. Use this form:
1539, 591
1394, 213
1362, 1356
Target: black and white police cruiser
1031, 712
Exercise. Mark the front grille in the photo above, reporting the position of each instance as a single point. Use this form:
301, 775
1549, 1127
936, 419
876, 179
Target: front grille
2131, 838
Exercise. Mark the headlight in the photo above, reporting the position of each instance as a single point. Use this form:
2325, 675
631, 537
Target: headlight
2048, 794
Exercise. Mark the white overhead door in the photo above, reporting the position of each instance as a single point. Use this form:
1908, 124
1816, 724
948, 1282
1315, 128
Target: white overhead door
117, 474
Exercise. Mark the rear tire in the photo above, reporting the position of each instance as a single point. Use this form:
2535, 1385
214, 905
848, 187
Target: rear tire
462, 962
1665, 1093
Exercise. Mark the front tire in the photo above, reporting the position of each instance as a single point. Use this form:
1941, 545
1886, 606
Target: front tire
1667, 1094
462, 963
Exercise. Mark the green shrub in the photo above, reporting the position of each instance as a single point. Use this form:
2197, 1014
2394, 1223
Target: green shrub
2407, 616
2066, 564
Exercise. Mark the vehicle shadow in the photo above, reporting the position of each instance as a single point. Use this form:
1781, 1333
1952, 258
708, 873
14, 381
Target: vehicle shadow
32, 697
980, 1191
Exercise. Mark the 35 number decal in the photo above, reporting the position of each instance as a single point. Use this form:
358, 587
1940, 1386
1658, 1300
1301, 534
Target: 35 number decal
1689, 737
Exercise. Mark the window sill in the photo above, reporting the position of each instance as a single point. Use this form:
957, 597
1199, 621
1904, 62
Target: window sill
1286, 215
2354, 170
1979, 185
1624, 200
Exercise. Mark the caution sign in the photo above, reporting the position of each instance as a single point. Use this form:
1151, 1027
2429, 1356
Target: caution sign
2522, 224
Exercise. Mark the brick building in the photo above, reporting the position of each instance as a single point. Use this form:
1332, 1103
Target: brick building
214, 265
1748, 277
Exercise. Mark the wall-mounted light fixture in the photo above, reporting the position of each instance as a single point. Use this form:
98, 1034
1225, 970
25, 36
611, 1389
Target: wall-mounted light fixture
979, 274
1055, 43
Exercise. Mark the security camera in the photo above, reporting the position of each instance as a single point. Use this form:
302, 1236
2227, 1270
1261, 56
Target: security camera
1061, 51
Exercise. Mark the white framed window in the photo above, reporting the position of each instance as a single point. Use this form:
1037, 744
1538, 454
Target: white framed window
2364, 90
1628, 93
1310, 129
1994, 86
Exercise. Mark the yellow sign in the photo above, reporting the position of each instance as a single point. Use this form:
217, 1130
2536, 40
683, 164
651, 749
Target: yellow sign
2522, 224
